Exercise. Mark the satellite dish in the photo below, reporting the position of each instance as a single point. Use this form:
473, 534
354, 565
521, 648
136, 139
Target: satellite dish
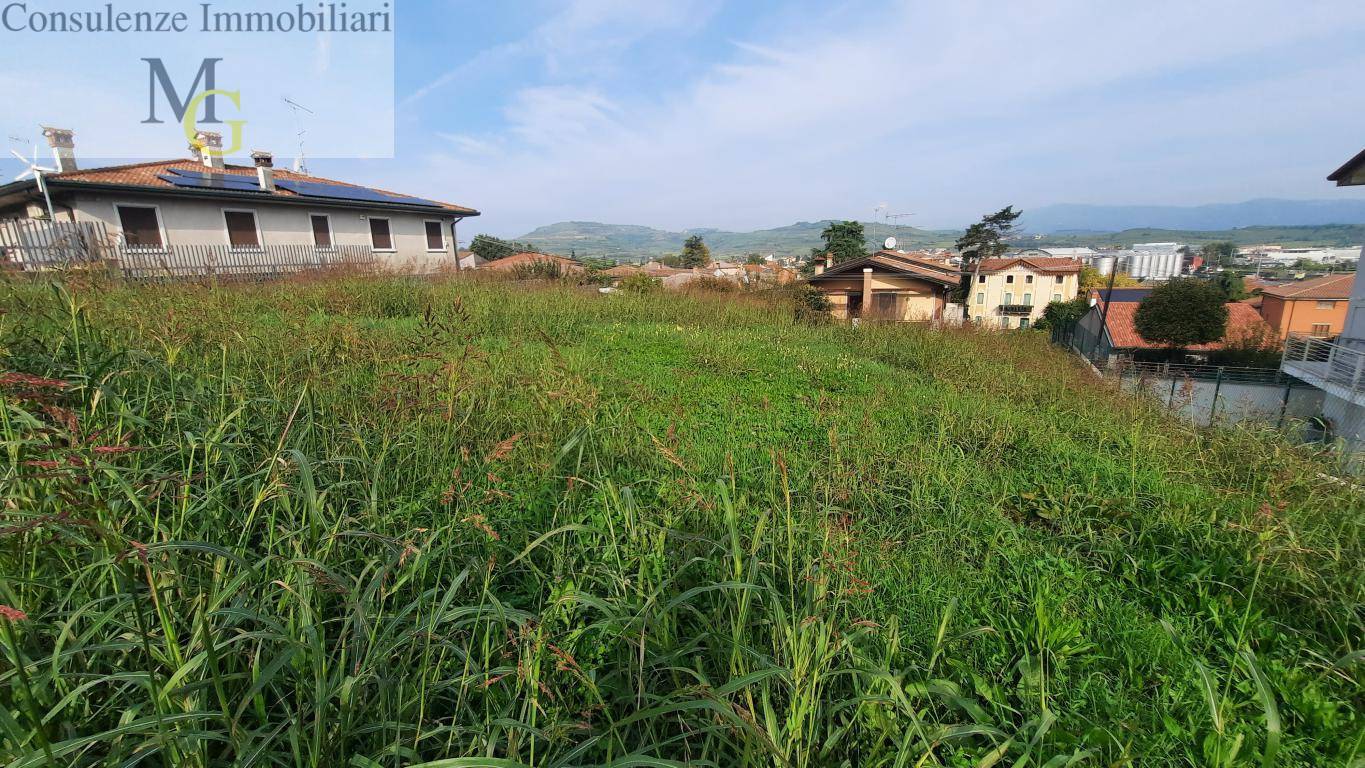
890, 243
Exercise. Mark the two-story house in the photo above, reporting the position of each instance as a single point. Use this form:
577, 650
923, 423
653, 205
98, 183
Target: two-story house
1013, 291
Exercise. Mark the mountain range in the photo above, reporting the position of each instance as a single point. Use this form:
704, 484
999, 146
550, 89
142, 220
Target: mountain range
1052, 219
1288, 222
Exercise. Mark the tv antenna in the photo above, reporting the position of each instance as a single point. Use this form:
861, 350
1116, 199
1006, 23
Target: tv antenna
301, 159
36, 171
895, 218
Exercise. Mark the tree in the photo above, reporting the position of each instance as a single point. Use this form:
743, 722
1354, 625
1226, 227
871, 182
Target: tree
1063, 314
985, 239
1092, 280
494, 248
1221, 253
695, 253
1182, 313
844, 240
754, 258
1232, 286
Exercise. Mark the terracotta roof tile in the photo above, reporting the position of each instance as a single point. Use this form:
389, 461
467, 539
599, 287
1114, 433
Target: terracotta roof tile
1243, 323
148, 175
530, 257
1329, 287
1038, 263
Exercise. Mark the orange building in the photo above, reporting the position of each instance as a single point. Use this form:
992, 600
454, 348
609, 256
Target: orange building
1314, 307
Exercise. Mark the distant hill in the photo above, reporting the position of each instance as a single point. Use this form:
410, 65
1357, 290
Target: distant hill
630, 242
1068, 218
1333, 235
627, 242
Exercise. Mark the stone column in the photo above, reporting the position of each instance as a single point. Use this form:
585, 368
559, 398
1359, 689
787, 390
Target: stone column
867, 291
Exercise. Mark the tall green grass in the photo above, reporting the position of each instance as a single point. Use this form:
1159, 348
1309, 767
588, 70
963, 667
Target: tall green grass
397, 523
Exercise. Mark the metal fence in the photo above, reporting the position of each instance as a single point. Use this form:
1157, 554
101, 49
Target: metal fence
36, 246
1326, 362
1210, 395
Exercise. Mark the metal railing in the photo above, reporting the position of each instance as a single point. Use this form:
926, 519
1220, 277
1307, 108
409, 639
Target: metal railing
1226, 373
27, 244
36, 246
1016, 309
1319, 361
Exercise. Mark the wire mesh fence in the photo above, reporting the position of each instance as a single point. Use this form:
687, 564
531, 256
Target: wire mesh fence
40, 246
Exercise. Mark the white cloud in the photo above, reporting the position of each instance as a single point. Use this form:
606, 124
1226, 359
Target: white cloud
944, 108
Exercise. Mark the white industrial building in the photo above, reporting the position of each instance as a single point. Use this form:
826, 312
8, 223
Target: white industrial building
1152, 261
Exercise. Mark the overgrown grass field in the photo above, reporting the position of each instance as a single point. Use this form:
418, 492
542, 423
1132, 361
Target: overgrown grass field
396, 523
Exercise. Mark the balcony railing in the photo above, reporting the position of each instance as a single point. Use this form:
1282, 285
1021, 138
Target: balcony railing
1334, 368
1016, 309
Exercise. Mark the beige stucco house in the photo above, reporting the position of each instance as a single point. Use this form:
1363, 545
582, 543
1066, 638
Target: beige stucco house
1012, 292
888, 285
201, 204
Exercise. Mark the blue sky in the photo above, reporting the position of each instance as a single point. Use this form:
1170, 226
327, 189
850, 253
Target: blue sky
739, 115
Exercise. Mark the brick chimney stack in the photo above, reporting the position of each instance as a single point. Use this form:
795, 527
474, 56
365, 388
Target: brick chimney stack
63, 143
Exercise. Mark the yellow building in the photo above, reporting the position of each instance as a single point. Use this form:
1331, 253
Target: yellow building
888, 285
1012, 292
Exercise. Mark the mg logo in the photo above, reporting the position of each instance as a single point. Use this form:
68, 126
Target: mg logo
203, 92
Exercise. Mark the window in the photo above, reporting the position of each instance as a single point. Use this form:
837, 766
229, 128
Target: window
1028, 299
1056, 297
1009, 278
1322, 330
436, 238
1061, 279
1327, 305
141, 226
1009, 298
980, 297
1004, 322
981, 279
241, 229
1023, 322
1028, 278
322, 230
380, 236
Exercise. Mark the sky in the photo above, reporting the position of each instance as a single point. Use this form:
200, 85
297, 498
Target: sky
742, 115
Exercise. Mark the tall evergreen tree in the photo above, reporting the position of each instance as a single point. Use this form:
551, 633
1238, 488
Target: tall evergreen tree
985, 239
844, 240
695, 253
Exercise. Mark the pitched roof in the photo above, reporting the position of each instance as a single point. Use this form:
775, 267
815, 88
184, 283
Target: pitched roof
1329, 287
148, 176
898, 263
1050, 265
1243, 323
1120, 295
531, 257
1351, 173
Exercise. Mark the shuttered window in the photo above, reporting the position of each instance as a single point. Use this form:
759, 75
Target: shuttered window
436, 240
322, 231
380, 236
141, 226
241, 228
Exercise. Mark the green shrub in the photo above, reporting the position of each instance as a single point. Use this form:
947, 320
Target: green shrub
641, 283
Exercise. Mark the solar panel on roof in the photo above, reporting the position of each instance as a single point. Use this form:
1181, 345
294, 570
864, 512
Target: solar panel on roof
229, 183
342, 192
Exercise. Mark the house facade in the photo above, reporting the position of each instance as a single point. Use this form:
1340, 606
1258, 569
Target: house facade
1314, 307
1012, 292
888, 285
1338, 367
202, 202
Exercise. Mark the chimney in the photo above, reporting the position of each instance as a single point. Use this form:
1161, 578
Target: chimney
208, 140
829, 261
265, 170
819, 267
63, 143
